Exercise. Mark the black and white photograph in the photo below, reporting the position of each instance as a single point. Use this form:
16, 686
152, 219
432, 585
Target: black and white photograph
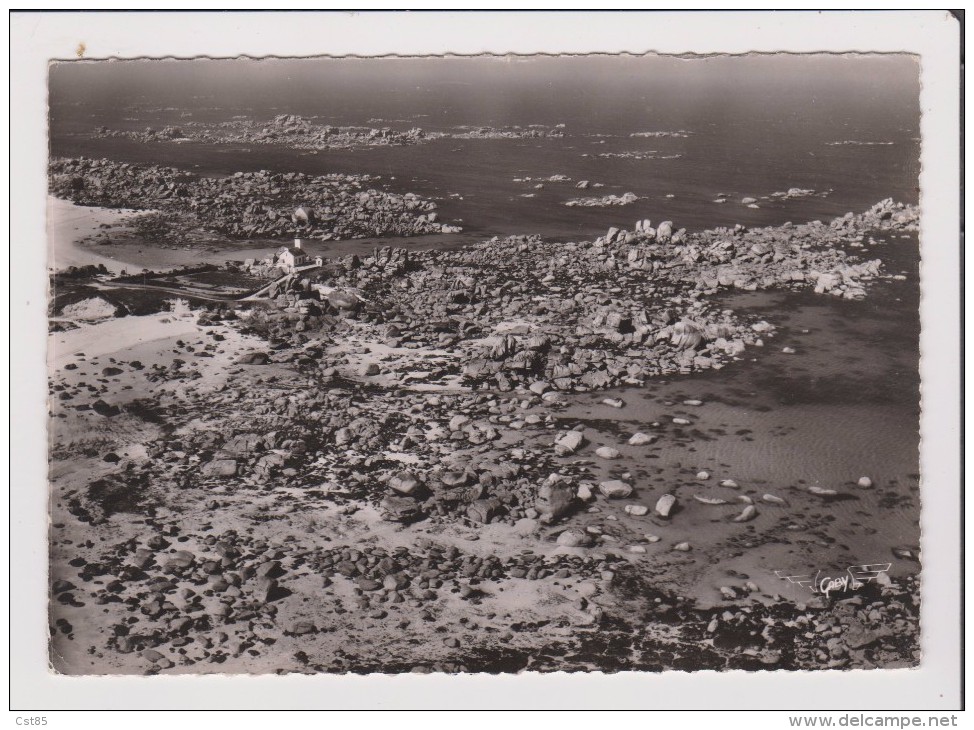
484, 364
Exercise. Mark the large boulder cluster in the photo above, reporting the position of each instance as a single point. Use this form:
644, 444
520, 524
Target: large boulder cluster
246, 205
618, 310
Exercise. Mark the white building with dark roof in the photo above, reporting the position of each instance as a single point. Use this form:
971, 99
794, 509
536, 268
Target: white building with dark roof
290, 258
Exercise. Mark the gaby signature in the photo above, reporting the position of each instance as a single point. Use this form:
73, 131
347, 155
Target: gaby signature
854, 578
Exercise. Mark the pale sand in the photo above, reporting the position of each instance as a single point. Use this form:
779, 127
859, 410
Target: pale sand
113, 335
153, 340
68, 224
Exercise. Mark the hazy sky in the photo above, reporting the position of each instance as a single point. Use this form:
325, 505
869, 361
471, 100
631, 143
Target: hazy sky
875, 77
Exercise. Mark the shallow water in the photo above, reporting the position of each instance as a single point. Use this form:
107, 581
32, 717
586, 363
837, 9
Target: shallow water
845, 405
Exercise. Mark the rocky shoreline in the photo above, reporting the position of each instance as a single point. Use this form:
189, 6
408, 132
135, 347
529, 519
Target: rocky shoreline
244, 205
579, 316
387, 480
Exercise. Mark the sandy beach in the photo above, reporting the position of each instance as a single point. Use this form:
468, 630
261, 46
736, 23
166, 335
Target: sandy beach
69, 224
113, 335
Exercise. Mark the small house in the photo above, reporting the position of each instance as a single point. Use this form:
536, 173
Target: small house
289, 259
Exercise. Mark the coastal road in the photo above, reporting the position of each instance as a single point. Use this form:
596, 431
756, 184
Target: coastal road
188, 294
191, 294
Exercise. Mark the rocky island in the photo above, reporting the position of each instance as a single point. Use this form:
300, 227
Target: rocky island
298, 132
284, 129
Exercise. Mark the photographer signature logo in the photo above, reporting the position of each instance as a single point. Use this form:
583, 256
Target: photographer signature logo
854, 578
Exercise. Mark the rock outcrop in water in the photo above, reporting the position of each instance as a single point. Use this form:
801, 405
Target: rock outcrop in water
532, 131
166, 134
245, 205
605, 202
631, 155
296, 132
681, 133
285, 129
